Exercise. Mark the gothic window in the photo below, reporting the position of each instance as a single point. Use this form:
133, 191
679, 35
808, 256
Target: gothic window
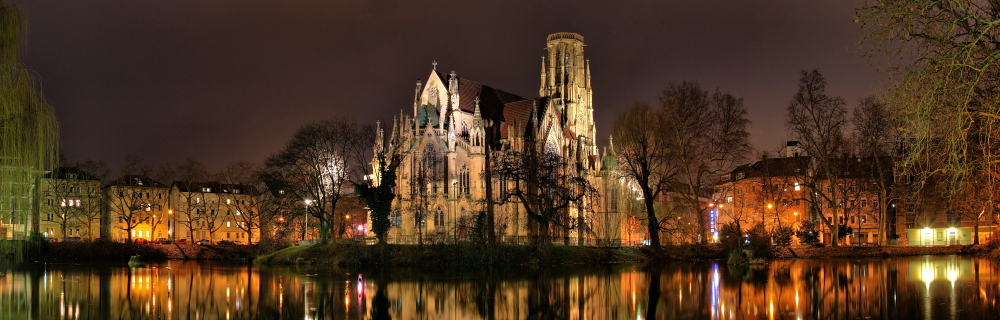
463, 180
396, 218
439, 218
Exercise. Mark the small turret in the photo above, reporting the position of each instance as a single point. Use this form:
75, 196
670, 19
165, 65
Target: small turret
541, 90
478, 133
416, 98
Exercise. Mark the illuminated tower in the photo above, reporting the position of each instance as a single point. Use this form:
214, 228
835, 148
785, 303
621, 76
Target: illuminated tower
566, 80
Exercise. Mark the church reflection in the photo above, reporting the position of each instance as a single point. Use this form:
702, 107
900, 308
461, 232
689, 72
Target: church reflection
925, 287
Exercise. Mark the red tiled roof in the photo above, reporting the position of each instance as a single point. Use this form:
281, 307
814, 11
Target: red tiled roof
518, 113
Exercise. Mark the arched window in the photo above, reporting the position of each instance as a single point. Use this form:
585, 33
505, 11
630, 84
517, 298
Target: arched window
396, 218
439, 218
463, 180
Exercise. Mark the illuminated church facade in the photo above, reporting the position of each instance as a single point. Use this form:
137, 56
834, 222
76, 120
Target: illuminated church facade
441, 187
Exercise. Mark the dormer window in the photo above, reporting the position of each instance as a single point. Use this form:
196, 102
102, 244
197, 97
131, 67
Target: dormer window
206, 189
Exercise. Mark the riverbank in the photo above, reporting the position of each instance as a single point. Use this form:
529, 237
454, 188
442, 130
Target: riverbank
114, 251
445, 255
808, 252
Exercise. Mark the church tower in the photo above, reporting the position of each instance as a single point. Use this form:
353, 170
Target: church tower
566, 80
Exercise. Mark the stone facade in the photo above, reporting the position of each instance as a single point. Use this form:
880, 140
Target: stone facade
454, 120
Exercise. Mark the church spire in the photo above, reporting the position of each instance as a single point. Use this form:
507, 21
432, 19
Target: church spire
416, 98
541, 90
477, 117
611, 145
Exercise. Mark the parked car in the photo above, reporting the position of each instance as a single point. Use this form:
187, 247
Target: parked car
182, 241
140, 240
162, 241
203, 242
238, 242
73, 239
226, 243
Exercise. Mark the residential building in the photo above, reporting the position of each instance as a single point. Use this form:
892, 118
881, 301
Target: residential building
70, 204
135, 208
212, 211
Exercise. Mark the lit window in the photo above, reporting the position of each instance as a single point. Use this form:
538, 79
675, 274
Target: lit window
228, 224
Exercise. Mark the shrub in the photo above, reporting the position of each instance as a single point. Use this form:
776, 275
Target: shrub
759, 241
807, 233
783, 235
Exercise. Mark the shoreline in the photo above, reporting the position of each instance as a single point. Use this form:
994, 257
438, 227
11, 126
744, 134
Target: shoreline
462, 254
806, 252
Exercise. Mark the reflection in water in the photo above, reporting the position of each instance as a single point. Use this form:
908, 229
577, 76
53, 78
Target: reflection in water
928, 287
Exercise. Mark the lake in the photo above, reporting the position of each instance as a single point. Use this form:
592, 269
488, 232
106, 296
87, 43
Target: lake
920, 287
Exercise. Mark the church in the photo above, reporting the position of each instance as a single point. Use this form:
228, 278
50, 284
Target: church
441, 185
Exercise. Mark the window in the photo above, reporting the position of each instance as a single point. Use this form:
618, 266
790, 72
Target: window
228, 224
206, 189
439, 218
396, 218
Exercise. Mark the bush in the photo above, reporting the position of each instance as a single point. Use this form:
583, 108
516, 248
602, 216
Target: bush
807, 233
731, 237
783, 236
759, 241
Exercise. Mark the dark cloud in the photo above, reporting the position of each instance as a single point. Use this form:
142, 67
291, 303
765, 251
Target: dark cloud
222, 81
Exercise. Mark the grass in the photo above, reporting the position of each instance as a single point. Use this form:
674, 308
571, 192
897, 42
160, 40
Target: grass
443, 255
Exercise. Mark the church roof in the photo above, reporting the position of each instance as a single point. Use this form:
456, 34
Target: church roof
491, 100
518, 113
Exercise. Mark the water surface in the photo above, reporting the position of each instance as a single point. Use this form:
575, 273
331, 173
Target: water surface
924, 287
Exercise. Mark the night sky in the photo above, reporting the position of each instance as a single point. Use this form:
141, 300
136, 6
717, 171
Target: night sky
222, 81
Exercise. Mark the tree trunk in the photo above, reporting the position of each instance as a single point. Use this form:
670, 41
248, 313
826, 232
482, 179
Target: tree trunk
652, 222
543, 243
490, 214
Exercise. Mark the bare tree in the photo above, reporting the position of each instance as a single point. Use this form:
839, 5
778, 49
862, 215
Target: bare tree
135, 197
317, 164
91, 210
644, 157
544, 187
818, 121
876, 137
188, 199
708, 137
253, 200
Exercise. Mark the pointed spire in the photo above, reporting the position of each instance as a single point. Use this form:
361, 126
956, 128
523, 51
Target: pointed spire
434, 65
453, 83
416, 98
541, 89
587, 70
378, 137
611, 144
395, 128
477, 116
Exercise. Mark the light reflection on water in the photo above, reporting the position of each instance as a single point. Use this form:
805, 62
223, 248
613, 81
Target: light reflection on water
927, 287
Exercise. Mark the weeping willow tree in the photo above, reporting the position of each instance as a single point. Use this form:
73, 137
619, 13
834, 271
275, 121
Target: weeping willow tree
944, 57
29, 136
